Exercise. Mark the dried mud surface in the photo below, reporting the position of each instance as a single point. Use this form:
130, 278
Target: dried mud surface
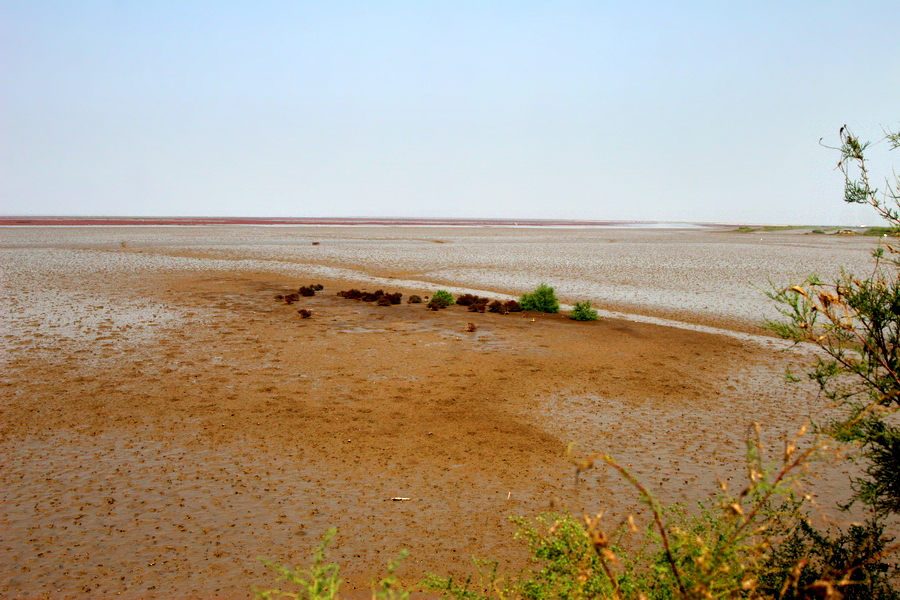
163, 428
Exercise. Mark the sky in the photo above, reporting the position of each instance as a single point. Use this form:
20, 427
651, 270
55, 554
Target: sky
660, 111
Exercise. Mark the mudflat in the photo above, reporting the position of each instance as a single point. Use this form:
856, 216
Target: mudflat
166, 421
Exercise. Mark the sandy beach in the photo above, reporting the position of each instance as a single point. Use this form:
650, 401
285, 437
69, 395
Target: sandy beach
166, 422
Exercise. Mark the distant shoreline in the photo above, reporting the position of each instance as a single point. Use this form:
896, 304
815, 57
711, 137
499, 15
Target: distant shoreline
81, 221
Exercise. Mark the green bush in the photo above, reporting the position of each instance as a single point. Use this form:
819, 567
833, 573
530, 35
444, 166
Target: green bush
584, 312
542, 299
443, 298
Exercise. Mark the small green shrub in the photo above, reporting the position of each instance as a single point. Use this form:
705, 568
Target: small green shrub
584, 312
319, 581
415, 299
542, 299
442, 298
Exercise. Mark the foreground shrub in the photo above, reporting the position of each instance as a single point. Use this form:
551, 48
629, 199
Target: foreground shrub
321, 581
415, 299
584, 312
855, 322
542, 299
853, 559
755, 545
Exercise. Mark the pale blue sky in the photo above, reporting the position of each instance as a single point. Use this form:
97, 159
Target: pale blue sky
683, 111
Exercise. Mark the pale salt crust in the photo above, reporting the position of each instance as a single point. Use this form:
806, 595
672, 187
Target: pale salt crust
715, 273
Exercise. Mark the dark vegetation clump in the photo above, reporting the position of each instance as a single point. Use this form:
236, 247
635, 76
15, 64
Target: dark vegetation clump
279, 297
512, 306
291, 298
497, 307
414, 299
306, 291
434, 305
304, 314
318, 287
470, 299
477, 307
379, 296
352, 294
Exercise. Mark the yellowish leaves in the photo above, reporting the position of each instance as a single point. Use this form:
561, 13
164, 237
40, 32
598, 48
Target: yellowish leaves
826, 300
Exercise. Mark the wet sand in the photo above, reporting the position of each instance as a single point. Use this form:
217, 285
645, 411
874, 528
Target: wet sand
165, 422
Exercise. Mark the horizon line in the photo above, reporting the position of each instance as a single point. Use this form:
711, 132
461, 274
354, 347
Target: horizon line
74, 220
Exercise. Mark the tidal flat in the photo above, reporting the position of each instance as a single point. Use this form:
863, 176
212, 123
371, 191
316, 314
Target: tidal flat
166, 421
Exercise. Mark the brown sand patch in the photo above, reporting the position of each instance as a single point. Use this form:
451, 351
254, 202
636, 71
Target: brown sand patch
165, 465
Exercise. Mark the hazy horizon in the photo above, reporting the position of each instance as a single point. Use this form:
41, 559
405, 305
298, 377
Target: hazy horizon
399, 221
696, 112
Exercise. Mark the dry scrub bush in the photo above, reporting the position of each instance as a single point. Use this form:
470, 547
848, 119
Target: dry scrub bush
497, 307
